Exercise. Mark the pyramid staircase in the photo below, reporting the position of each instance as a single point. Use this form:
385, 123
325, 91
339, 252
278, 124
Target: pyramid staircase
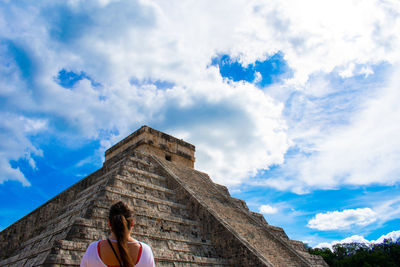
186, 218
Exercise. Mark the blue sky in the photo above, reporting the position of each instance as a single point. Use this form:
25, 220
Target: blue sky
293, 106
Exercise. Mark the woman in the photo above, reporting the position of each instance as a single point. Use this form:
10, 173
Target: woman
120, 249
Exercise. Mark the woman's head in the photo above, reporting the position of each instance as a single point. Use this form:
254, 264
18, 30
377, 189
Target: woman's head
119, 212
121, 222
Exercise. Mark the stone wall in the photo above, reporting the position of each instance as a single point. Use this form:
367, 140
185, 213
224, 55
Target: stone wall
156, 143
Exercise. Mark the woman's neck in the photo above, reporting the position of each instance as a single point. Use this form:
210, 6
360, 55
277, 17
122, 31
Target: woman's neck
114, 237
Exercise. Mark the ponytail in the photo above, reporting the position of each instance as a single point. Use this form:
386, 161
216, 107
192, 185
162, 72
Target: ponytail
119, 213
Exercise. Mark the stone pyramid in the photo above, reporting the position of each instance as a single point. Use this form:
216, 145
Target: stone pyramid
186, 218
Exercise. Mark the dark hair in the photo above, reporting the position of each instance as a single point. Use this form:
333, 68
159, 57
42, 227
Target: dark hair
118, 216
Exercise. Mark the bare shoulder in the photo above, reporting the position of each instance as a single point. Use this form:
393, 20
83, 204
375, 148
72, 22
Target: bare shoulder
92, 245
133, 245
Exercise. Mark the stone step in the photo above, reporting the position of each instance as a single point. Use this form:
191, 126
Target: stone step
33, 260
139, 212
186, 259
76, 207
133, 180
145, 161
145, 226
45, 237
135, 154
159, 224
101, 213
115, 164
144, 187
179, 258
149, 202
54, 226
181, 249
134, 162
153, 207
58, 224
86, 229
143, 175
278, 232
134, 157
298, 245
186, 264
172, 232
31, 248
96, 186
153, 224
53, 229
30, 257
273, 248
315, 260
66, 253
182, 245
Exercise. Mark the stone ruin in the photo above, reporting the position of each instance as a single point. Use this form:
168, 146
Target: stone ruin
186, 218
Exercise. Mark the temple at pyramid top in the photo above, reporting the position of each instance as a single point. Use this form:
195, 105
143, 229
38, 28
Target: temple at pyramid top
157, 143
186, 218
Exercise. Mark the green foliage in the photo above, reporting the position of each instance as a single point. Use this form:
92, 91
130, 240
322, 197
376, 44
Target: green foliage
386, 254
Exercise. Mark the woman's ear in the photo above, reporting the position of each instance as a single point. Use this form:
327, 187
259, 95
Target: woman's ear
131, 223
109, 224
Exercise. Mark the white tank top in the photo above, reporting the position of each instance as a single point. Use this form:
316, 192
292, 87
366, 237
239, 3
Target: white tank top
92, 257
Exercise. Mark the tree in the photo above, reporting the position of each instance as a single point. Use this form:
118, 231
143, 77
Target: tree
386, 254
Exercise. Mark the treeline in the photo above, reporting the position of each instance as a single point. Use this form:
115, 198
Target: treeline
386, 254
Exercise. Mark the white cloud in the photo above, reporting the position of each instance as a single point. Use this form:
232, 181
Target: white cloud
342, 33
349, 139
116, 43
33, 125
382, 211
364, 152
236, 138
347, 240
16, 145
336, 220
388, 209
267, 209
9, 173
354, 239
394, 235
390, 236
